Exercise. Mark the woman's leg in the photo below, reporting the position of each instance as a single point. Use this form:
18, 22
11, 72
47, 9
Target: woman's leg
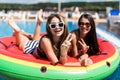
20, 38
36, 35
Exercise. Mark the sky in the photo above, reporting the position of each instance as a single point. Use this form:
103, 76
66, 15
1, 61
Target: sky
38, 1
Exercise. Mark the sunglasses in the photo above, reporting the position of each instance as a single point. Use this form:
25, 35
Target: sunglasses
53, 25
86, 24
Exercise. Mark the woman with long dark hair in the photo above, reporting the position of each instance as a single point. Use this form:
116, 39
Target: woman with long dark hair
86, 38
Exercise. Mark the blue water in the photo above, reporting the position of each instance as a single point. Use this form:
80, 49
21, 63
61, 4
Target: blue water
6, 30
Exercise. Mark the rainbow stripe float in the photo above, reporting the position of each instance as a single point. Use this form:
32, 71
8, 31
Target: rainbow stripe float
16, 65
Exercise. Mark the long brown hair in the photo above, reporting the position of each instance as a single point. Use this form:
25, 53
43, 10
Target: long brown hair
49, 34
91, 37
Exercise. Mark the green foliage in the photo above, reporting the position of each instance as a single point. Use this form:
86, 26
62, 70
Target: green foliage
81, 5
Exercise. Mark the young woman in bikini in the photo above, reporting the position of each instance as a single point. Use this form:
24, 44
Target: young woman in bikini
54, 44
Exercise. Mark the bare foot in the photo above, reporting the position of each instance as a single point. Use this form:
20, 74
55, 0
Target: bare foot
13, 24
39, 15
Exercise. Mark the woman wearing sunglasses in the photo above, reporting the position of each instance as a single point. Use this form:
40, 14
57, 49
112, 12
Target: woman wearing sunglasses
86, 39
56, 42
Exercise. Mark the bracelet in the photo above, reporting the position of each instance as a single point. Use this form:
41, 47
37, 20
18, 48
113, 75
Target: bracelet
63, 55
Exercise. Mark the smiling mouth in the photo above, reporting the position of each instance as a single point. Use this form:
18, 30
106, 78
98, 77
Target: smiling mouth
58, 30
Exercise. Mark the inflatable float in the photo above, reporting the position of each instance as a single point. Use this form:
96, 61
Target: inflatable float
19, 66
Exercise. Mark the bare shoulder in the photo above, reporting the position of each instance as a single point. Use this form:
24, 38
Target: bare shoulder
73, 35
46, 44
45, 40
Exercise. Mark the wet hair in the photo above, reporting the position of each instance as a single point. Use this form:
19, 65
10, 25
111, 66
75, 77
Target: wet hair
91, 37
49, 34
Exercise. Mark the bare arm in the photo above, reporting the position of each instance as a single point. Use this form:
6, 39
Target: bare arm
47, 48
72, 64
74, 46
65, 48
85, 47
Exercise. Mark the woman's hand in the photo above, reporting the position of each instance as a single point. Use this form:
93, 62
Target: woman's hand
84, 46
85, 60
66, 45
64, 49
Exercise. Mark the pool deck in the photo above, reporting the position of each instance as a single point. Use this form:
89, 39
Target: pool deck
68, 19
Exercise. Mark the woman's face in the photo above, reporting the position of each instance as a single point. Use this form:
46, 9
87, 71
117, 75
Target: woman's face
56, 27
84, 26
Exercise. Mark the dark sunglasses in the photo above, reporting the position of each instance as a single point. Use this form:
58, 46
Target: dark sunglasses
53, 25
86, 24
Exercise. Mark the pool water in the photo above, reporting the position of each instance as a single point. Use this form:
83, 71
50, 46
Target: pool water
29, 26
6, 30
